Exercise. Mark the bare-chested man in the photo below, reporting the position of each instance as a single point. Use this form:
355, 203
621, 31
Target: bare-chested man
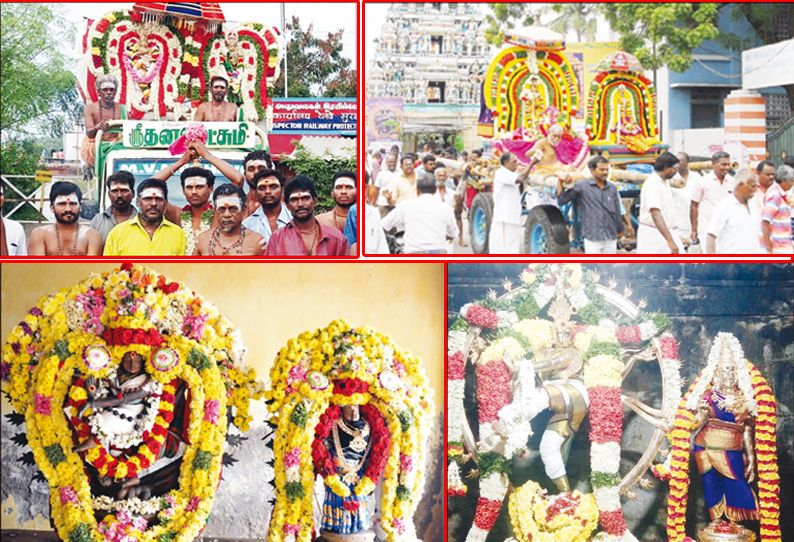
230, 238
543, 157
344, 194
253, 163
67, 237
98, 114
218, 109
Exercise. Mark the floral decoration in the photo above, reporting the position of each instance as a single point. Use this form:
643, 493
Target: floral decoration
352, 359
49, 381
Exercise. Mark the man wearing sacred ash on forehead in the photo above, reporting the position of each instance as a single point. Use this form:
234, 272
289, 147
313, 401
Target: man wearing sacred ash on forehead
730, 410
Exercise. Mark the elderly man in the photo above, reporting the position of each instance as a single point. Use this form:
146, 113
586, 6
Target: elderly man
734, 224
506, 230
148, 234
776, 216
272, 213
121, 189
344, 195
657, 233
217, 110
598, 201
12, 234
231, 237
428, 223
98, 114
304, 236
67, 237
713, 188
443, 193
383, 183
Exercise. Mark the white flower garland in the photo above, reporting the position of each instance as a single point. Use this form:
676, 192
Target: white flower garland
456, 340
134, 506
494, 486
605, 457
132, 437
743, 377
455, 395
507, 318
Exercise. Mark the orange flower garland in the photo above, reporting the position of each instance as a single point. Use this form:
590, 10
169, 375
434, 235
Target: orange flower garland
766, 459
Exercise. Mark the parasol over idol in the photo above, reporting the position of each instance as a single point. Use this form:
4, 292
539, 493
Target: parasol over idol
208, 11
535, 37
620, 61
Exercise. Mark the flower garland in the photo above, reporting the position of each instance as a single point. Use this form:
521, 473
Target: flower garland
48, 374
342, 365
676, 467
207, 215
500, 411
536, 518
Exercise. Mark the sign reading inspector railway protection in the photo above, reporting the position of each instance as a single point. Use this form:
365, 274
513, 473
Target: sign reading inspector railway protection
322, 116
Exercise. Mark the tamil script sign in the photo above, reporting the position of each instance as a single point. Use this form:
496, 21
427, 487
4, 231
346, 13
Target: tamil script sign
768, 66
326, 116
154, 135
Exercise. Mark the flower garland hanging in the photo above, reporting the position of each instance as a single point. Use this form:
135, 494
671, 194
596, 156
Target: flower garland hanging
519, 334
537, 518
49, 370
313, 376
761, 403
186, 218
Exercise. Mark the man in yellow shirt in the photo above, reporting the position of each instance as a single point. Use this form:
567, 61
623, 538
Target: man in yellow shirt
148, 234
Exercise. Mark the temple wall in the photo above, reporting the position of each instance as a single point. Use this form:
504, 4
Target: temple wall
270, 304
753, 301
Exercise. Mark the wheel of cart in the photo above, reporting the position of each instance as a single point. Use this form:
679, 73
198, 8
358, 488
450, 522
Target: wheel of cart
480, 217
546, 232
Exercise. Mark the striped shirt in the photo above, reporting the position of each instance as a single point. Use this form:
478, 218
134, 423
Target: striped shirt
777, 211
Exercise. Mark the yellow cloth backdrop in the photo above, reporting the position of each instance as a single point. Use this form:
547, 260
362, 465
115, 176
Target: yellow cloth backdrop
272, 303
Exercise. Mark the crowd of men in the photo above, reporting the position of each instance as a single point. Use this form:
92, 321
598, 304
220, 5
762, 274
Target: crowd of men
680, 211
275, 218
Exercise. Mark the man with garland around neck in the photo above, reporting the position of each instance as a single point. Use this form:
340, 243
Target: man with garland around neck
304, 235
272, 214
66, 237
230, 237
121, 189
218, 109
344, 194
149, 233
98, 114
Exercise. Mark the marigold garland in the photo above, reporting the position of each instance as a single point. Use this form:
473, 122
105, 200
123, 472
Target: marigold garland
47, 378
314, 375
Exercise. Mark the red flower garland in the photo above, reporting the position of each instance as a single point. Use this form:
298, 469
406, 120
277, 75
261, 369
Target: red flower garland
606, 414
613, 522
349, 386
493, 389
628, 334
456, 366
380, 442
482, 317
109, 463
487, 512
122, 336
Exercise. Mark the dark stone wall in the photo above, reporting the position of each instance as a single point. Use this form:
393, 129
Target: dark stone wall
755, 302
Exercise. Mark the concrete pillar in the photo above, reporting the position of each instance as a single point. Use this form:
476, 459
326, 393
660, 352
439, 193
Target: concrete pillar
745, 124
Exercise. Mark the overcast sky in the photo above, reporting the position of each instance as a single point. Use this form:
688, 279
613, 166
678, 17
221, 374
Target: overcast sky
326, 17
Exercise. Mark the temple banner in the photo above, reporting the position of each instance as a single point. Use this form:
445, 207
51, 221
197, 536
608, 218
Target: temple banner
384, 119
155, 135
337, 116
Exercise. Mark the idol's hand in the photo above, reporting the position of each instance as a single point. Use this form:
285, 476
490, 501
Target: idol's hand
749, 469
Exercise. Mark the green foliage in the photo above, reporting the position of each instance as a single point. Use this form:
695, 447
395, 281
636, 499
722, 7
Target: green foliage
459, 325
198, 360
491, 462
294, 491
20, 158
602, 349
526, 306
36, 86
577, 17
403, 493
319, 169
316, 66
167, 536
202, 460
406, 420
604, 479
54, 454
62, 350
299, 415
505, 16
663, 34
81, 533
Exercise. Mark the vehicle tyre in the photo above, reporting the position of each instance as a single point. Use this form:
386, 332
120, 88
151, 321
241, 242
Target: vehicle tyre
546, 232
480, 219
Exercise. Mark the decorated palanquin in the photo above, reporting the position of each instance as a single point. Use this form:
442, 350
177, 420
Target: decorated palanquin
316, 379
526, 81
165, 55
621, 111
128, 382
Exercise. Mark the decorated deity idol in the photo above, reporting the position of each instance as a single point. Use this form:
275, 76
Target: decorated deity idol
730, 410
126, 380
351, 407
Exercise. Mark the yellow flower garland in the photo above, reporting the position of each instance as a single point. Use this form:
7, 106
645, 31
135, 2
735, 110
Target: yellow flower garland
341, 352
45, 343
